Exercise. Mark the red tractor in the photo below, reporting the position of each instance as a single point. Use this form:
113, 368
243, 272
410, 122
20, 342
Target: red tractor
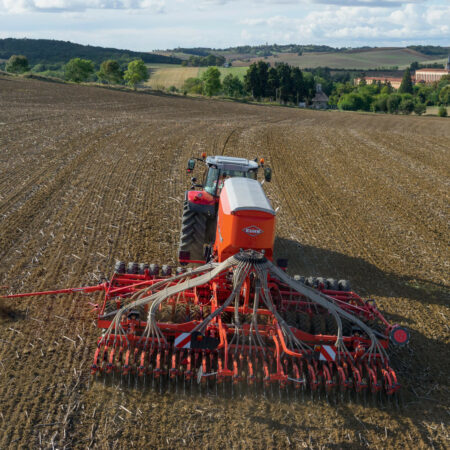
198, 225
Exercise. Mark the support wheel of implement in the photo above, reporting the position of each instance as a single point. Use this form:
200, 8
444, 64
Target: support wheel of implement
153, 270
133, 268
166, 271
344, 285
303, 321
318, 324
193, 233
290, 318
321, 282
299, 278
346, 327
331, 325
142, 268
332, 284
119, 267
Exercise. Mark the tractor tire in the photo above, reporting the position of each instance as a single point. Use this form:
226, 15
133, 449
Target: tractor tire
193, 233
331, 325
303, 322
318, 324
119, 267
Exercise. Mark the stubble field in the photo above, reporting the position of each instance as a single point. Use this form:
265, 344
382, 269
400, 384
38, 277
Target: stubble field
90, 175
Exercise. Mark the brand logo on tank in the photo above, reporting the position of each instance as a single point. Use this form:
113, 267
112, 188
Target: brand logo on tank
252, 230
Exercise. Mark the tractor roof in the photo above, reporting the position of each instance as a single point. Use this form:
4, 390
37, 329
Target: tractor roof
246, 194
231, 163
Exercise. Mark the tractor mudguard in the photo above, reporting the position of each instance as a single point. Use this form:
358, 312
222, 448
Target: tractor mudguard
201, 202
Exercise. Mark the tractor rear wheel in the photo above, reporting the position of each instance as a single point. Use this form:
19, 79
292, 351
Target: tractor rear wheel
193, 233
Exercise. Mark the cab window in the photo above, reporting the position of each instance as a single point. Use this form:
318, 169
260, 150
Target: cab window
215, 178
211, 180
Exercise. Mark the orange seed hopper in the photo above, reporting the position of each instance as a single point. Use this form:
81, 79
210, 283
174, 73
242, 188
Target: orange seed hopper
245, 220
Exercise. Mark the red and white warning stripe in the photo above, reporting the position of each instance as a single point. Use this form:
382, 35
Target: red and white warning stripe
183, 340
327, 353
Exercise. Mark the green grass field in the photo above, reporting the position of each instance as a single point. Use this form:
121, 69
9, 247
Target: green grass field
167, 75
433, 111
372, 59
224, 71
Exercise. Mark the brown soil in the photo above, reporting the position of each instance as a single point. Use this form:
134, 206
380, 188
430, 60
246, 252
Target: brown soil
90, 175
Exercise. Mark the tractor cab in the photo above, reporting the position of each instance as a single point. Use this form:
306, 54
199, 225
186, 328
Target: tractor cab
220, 168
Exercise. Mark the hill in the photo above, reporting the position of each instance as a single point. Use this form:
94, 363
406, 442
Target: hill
359, 60
47, 51
311, 56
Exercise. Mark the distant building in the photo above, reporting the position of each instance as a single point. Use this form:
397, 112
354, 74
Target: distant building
393, 81
320, 100
432, 75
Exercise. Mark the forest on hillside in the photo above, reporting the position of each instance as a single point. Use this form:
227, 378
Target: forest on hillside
49, 51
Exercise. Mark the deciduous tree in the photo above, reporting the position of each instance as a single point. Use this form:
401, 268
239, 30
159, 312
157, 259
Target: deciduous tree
17, 64
419, 108
136, 73
110, 72
211, 81
232, 86
78, 69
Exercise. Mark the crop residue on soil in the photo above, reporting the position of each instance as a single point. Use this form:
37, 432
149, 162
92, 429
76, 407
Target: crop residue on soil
90, 176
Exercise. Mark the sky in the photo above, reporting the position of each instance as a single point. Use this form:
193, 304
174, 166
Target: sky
145, 25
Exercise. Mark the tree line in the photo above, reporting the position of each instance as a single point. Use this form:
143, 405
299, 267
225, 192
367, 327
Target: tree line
282, 83
81, 70
204, 61
381, 97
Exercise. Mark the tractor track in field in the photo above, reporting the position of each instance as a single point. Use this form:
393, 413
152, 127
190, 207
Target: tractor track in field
94, 175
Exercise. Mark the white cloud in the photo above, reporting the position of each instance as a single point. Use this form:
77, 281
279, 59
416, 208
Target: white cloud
136, 24
22, 6
352, 23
